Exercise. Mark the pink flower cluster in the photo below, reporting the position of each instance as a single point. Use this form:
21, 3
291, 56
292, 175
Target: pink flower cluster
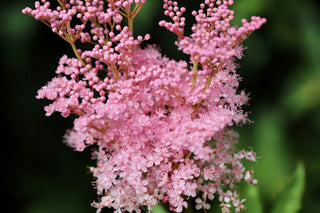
160, 128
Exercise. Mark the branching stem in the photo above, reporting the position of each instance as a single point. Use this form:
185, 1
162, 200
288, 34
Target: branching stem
74, 48
209, 79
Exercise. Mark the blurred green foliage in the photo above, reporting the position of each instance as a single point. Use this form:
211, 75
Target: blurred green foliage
281, 70
291, 196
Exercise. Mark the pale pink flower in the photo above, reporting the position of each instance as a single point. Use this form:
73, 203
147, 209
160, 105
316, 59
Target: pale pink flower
202, 204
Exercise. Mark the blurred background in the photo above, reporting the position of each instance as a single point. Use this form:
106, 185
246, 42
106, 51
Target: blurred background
281, 70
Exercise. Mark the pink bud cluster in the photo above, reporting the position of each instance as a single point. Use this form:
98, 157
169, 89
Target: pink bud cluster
160, 128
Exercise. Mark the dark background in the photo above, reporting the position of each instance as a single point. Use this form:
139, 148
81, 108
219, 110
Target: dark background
281, 70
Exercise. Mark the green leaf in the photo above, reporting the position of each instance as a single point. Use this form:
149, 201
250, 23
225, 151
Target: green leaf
290, 199
253, 201
274, 166
159, 209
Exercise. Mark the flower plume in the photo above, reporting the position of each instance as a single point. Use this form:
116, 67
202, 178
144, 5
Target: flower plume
160, 128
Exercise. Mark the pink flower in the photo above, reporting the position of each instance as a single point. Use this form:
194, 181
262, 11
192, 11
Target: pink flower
161, 128
201, 204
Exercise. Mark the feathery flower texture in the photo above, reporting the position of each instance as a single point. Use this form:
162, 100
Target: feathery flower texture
159, 128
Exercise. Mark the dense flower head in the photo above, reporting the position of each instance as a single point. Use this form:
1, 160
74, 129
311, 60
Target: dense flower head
160, 127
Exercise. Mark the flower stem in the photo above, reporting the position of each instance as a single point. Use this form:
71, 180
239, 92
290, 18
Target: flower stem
195, 69
209, 79
130, 23
74, 48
